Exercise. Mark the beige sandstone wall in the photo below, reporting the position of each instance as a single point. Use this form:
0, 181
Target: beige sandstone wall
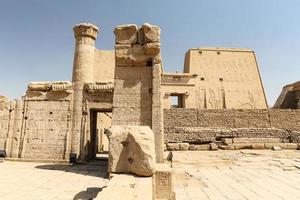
227, 78
104, 65
46, 126
4, 120
198, 126
181, 84
103, 122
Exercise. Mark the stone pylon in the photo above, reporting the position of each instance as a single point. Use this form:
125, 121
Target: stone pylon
83, 71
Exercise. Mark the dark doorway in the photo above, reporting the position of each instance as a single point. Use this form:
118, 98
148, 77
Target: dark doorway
98, 145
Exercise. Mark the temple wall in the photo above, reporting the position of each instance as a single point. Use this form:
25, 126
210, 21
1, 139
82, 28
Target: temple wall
4, 122
227, 78
201, 126
46, 128
104, 65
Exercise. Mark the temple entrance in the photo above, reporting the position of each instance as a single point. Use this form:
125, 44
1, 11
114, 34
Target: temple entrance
98, 146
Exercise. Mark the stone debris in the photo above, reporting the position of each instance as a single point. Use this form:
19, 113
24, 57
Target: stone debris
276, 148
213, 146
131, 150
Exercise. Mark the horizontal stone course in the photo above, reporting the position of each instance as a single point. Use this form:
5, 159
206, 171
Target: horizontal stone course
203, 126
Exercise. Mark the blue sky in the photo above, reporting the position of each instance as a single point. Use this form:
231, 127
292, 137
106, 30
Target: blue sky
37, 43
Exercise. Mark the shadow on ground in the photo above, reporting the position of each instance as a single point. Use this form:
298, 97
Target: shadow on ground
88, 194
97, 168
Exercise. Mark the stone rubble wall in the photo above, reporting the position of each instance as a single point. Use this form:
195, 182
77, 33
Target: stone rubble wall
204, 126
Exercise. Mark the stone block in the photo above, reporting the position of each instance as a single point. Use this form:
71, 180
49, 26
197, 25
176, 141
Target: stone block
152, 48
173, 146
184, 146
131, 149
242, 146
258, 146
226, 147
276, 148
199, 147
213, 146
270, 145
141, 37
126, 34
293, 146
163, 183
123, 55
151, 33
227, 140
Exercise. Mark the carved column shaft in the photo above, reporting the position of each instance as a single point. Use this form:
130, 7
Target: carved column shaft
83, 71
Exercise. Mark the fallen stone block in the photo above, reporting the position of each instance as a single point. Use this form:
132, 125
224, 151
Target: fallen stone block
276, 148
151, 33
258, 146
173, 146
126, 34
242, 146
226, 147
131, 150
184, 146
199, 147
292, 146
213, 146
227, 140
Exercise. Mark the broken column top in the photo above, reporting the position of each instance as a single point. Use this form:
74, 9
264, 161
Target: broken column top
85, 30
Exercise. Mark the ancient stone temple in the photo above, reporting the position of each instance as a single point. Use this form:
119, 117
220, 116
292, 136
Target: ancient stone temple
219, 95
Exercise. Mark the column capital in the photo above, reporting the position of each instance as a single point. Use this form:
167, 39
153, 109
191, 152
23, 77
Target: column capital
85, 33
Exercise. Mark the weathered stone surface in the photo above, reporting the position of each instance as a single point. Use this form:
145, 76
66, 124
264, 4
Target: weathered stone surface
126, 34
258, 146
226, 147
213, 146
292, 146
276, 148
242, 146
152, 48
131, 149
173, 146
123, 54
227, 140
151, 33
199, 147
183, 146
163, 182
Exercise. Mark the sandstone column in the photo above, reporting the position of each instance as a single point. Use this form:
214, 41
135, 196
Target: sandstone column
83, 71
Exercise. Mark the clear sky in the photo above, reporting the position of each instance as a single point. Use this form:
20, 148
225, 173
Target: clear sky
37, 42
